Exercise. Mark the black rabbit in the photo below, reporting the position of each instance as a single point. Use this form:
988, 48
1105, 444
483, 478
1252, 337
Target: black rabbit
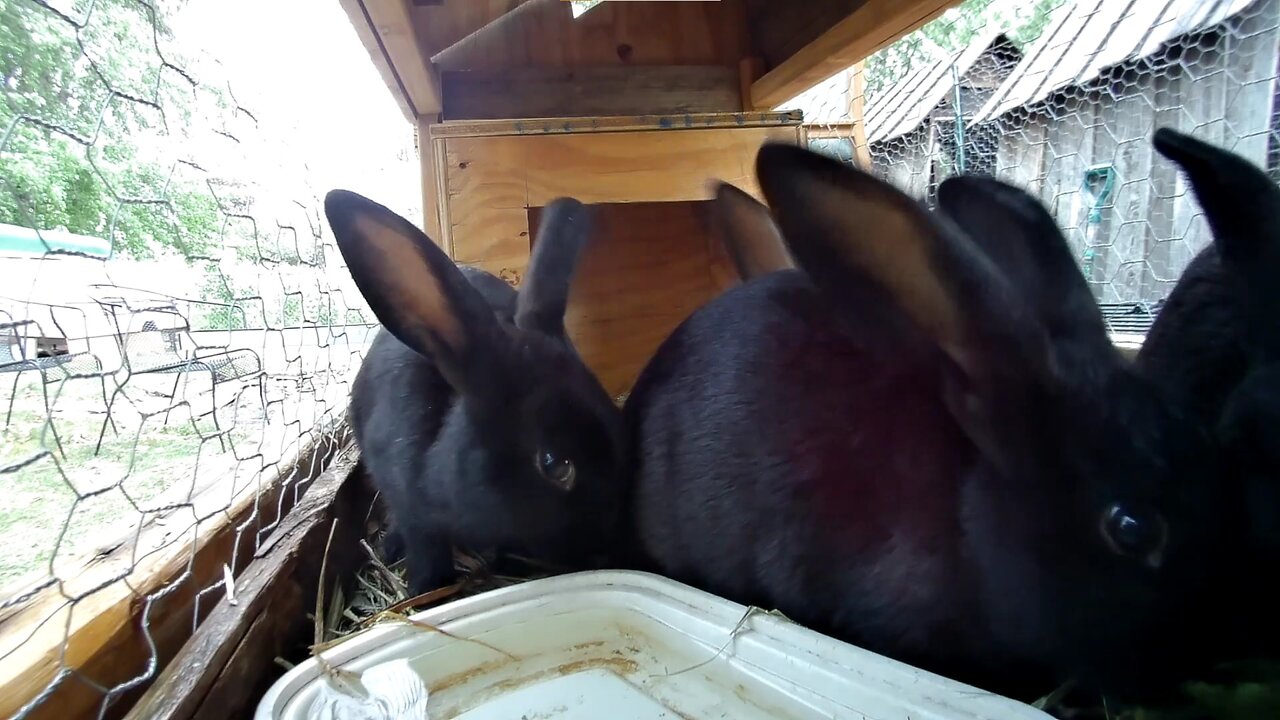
1216, 343
923, 448
475, 416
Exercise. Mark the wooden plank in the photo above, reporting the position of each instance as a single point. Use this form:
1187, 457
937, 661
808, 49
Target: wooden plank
241, 671
100, 634
416, 78
534, 92
507, 172
857, 114
226, 665
623, 123
873, 25
653, 259
429, 173
438, 156
496, 240
840, 130
648, 267
749, 70
545, 34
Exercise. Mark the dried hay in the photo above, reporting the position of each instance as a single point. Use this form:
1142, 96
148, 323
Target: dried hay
380, 591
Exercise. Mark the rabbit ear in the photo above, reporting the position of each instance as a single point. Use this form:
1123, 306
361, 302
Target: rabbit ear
747, 230
844, 225
1241, 205
1015, 230
1240, 202
415, 290
562, 234
841, 223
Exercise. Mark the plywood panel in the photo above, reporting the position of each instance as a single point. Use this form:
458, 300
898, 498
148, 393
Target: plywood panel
496, 240
668, 166
652, 261
616, 33
535, 92
648, 267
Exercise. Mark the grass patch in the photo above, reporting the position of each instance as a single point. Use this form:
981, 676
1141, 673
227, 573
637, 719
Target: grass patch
59, 507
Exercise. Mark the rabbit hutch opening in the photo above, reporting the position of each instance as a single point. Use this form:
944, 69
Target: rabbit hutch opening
632, 108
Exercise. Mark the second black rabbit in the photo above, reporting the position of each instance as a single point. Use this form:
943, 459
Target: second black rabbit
476, 418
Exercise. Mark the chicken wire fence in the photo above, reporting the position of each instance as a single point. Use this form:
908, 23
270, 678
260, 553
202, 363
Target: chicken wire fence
1061, 97
176, 341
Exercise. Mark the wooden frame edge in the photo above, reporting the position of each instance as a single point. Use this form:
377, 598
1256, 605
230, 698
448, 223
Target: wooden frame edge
219, 669
620, 123
870, 27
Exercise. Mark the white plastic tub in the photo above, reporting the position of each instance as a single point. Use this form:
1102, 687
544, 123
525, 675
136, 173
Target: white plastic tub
634, 646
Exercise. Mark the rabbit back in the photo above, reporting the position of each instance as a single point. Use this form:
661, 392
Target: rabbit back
1216, 343
801, 478
1196, 347
919, 447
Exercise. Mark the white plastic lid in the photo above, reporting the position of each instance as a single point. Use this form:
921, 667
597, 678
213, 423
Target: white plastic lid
626, 646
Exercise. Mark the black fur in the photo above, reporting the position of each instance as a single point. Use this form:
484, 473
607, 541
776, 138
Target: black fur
1216, 343
925, 478
462, 390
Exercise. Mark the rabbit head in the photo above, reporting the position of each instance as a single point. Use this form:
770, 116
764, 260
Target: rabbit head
1085, 518
532, 447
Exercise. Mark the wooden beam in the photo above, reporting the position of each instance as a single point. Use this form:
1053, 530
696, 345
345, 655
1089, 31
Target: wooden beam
750, 69
387, 32
368, 38
535, 92
872, 26
228, 663
428, 171
857, 114
449, 22
99, 635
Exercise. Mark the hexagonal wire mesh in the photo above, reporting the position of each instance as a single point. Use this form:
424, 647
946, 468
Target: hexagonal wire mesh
1061, 97
176, 333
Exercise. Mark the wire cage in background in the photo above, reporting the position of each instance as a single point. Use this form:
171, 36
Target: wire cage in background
177, 339
1061, 97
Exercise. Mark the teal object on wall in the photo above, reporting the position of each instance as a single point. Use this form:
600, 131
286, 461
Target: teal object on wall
1099, 181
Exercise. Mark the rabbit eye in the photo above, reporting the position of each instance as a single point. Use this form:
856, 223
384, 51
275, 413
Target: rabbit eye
1135, 533
558, 470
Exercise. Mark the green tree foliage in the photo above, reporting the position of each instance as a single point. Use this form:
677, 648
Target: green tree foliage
82, 92
1022, 21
